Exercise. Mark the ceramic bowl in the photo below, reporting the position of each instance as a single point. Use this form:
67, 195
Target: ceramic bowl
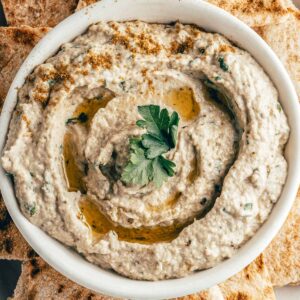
213, 19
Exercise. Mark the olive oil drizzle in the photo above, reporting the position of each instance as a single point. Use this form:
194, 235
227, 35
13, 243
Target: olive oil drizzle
100, 225
74, 171
183, 101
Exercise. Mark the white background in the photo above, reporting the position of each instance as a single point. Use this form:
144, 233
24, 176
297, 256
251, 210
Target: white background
9, 270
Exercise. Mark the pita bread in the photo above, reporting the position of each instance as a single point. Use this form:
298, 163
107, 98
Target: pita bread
39, 281
284, 39
257, 13
12, 244
253, 13
283, 254
83, 3
37, 13
252, 283
15, 45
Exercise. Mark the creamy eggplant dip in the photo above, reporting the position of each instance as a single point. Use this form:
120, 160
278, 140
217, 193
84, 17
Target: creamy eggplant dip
91, 169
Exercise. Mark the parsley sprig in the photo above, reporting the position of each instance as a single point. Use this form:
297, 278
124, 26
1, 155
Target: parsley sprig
146, 161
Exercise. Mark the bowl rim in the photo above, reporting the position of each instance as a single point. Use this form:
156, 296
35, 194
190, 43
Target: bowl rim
67, 261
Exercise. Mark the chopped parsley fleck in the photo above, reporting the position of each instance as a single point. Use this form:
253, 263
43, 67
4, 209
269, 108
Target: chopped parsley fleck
31, 208
10, 176
203, 201
279, 107
202, 50
218, 188
218, 78
181, 48
51, 82
248, 206
123, 85
222, 64
82, 118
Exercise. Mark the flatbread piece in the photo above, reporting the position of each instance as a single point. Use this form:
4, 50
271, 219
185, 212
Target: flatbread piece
253, 13
39, 281
284, 39
252, 283
12, 244
15, 45
37, 13
283, 254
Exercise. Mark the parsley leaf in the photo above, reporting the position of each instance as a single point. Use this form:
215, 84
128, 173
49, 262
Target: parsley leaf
173, 125
82, 118
31, 208
146, 161
154, 146
222, 64
139, 169
159, 173
161, 129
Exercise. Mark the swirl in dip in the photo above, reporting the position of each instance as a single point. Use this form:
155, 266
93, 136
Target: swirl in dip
69, 142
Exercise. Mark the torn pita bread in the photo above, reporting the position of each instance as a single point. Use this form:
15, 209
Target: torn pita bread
39, 281
253, 13
283, 254
257, 13
15, 45
83, 3
284, 39
252, 283
37, 13
12, 244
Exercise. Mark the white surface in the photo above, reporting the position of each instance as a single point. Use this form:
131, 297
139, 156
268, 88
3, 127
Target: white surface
193, 11
288, 293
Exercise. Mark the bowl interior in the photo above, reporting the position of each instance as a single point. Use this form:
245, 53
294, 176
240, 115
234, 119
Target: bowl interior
212, 19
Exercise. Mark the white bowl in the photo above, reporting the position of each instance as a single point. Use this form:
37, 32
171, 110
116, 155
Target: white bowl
210, 18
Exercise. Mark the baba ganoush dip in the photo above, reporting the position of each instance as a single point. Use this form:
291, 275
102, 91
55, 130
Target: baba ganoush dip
69, 144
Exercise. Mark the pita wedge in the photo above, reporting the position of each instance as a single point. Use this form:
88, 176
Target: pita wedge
37, 13
253, 13
39, 281
284, 39
283, 254
252, 283
12, 244
83, 3
15, 45
257, 13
